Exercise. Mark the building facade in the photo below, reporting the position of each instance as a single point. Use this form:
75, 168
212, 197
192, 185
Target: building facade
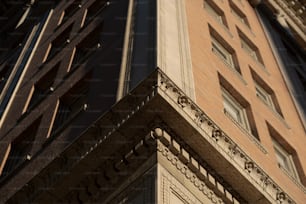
152, 101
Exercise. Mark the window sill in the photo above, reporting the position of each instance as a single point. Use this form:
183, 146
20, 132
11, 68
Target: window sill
248, 133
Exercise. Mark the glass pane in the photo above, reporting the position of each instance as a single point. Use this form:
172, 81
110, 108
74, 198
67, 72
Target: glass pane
233, 111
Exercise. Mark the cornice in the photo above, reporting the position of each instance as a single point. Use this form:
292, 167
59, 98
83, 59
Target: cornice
160, 89
215, 135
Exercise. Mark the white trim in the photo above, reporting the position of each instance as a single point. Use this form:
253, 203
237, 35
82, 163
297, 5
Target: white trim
289, 165
230, 101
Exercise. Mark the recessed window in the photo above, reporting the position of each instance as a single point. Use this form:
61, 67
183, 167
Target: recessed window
284, 159
58, 43
223, 50
215, 11
20, 149
85, 48
237, 108
250, 47
234, 109
42, 88
94, 9
265, 93
69, 11
70, 105
239, 14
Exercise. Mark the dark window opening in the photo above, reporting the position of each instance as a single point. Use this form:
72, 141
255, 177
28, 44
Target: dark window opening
71, 104
86, 47
59, 42
43, 87
20, 149
94, 9
70, 10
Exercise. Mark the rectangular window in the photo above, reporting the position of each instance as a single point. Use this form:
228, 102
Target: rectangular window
71, 104
235, 110
69, 11
20, 149
42, 88
250, 47
285, 159
223, 50
238, 109
216, 12
239, 14
58, 43
94, 9
265, 93
85, 48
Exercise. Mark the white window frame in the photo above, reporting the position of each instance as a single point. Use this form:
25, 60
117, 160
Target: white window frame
223, 53
239, 14
264, 96
213, 12
230, 102
249, 49
289, 166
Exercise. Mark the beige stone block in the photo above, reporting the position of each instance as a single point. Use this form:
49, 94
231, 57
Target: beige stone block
174, 147
184, 156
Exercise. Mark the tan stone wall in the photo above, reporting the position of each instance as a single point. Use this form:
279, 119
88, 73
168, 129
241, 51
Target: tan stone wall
206, 66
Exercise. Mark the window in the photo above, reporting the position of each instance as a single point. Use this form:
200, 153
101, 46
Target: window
58, 43
249, 47
234, 110
226, 54
69, 11
286, 156
285, 159
20, 149
42, 88
216, 12
265, 93
71, 104
94, 9
239, 14
238, 109
85, 48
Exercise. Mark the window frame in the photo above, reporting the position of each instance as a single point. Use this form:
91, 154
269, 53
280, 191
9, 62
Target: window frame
239, 14
249, 47
215, 12
289, 162
222, 52
243, 120
261, 91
